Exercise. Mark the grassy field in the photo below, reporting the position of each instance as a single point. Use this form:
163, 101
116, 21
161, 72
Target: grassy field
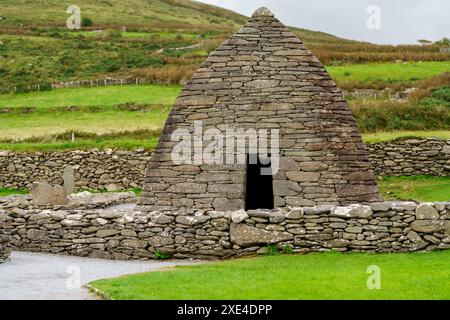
84, 144
18, 126
95, 96
418, 188
170, 13
388, 72
37, 48
103, 110
314, 276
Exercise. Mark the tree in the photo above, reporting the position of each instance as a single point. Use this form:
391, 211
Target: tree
444, 42
424, 41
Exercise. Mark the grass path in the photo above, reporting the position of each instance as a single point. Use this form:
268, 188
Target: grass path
313, 276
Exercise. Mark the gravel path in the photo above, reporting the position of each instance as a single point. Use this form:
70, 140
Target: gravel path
33, 276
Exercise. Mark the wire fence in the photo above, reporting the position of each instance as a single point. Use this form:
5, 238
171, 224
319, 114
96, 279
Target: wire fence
81, 83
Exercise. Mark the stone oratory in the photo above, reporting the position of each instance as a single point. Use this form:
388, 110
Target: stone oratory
263, 79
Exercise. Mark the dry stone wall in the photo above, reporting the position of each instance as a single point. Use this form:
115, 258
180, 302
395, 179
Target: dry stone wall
96, 169
262, 78
410, 157
93, 169
380, 227
4, 242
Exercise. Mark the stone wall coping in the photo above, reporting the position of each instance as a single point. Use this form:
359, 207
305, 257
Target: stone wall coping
349, 211
389, 226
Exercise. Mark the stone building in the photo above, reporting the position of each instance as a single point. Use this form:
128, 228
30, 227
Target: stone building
263, 77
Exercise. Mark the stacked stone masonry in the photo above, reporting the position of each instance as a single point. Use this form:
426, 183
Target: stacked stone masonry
263, 77
96, 169
4, 241
410, 157
380, 227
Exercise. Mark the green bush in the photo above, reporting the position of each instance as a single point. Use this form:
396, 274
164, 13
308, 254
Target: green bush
272, 249
402, 117
162, 255
86, 22
438, 96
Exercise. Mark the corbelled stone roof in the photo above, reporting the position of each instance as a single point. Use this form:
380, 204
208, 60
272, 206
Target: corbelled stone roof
264, 77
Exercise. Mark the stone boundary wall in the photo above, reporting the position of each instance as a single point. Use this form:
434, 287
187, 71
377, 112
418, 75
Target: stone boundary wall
94, 169
410, 157
4, 242
381, 227
116, 169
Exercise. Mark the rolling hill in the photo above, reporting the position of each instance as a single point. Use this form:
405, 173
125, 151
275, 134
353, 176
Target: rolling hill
165, 41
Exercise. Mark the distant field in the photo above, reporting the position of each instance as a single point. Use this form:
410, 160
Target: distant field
50, 118
139, 35
95, 96
388, 72
22, 126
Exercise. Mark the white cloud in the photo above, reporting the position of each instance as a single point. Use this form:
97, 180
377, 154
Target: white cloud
402, 21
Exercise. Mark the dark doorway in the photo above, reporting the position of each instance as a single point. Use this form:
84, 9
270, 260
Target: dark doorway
259, 187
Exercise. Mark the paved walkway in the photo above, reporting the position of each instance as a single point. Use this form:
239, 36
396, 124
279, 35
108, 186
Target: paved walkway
33, 276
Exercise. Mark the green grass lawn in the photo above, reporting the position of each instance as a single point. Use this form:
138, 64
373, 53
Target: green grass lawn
84, 144
388, 72
375, 137
418, 188
7, 192
95, 96
313, 276
20, 126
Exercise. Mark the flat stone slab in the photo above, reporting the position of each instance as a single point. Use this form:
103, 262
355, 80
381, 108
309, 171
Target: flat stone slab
38, 276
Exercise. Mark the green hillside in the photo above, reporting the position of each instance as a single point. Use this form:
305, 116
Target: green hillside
148, 13
165, 41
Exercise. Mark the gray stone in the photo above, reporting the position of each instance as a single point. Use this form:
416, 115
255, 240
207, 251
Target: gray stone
106, 233
428, 226
69, 179
134, 243
295, 213
239, 216
380, 206
414, 237
159, 241
36, 235
192, 220
245, 236
161, 218
425, 211
352, 211
42, 193
303, 176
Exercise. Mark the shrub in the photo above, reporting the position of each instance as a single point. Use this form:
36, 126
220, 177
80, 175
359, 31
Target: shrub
287, 249
376, 116
162, 255
272, 249
86, 22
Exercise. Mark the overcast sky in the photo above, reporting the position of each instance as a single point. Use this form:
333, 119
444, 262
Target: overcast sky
400, 21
